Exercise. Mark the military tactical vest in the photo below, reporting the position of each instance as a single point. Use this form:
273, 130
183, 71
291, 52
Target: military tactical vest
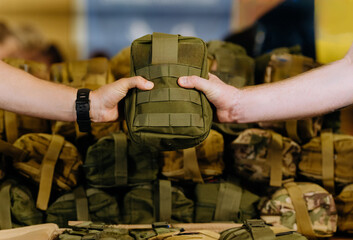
225, 201
344, 204
116, 161
84, 205
168, 117
304, 207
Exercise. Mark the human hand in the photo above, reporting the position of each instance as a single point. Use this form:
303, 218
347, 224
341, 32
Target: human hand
104, 101
221, 95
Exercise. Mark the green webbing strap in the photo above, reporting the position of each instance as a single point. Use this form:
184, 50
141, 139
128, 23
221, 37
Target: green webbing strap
47, 171
5, 206
191, 165
167, 70
81, 202
292, 130
328, 167
259, 230
120, 147
11, 127
164, 48
168, 120
228, 202
165, 200
274, 156
16, 153
169, 94
301, 210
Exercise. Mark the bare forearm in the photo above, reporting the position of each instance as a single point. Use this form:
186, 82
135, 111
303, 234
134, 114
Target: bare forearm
316, 92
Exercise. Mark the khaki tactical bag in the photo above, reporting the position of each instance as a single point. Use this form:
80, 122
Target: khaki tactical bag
254, 229
225, 201
344, 204
84, 205
230, 63
120, 63
168, 117
328, 158
116, 161
303, 207
263, 155
45, 159
204, 161
158, 202
17, 207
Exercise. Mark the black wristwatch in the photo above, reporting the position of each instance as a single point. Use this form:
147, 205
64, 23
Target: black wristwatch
82, 110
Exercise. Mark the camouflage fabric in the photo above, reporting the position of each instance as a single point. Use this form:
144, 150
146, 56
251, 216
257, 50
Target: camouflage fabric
252, 159
225, 201
280, 211
120, 63
208, 161
143, 205
22, 208
101, 208
344, 204
116, 161
311, 164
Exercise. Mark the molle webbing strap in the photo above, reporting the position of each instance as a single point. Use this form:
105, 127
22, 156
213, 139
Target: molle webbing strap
5, 206
292, 130
328, 168
259, 230
228, 202
168, 94
81, 202
47, 171
8, 149
301, 211
164, 201
191, 165
167, 70
11, 127
168, 120
274, 155
120, 148
164, 48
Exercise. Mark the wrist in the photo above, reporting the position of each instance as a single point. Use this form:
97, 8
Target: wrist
82, 104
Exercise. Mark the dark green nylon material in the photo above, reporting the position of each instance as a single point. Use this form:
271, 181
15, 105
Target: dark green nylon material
150, 115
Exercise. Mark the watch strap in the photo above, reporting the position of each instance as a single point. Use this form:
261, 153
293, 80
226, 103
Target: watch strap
82, 110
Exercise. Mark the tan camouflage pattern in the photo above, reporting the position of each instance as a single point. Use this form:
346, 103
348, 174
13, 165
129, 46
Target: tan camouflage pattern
280, 211
344, 204
250, 150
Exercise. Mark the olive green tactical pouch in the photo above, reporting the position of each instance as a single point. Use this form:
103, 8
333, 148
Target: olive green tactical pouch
225, 201
158, 202
263, 155
116, 161
204, 161
84, 205
254, 229
303, 207
17, 207
45, 159
230, 63
168, 117
344, 204
328, 159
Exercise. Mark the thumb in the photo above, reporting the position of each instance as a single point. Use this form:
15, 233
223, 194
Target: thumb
199, 83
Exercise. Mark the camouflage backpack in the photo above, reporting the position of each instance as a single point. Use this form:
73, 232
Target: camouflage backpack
204, 161
120, 63
282, 66
230, 63
84, 205
45, 159
225, 201
158, 202
263, 155
328, 159
303, 207
256, 229
168, 117
344, 204
116, 161
17, 207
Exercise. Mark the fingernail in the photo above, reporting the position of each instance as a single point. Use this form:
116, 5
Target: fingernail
182, 80
149, 84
